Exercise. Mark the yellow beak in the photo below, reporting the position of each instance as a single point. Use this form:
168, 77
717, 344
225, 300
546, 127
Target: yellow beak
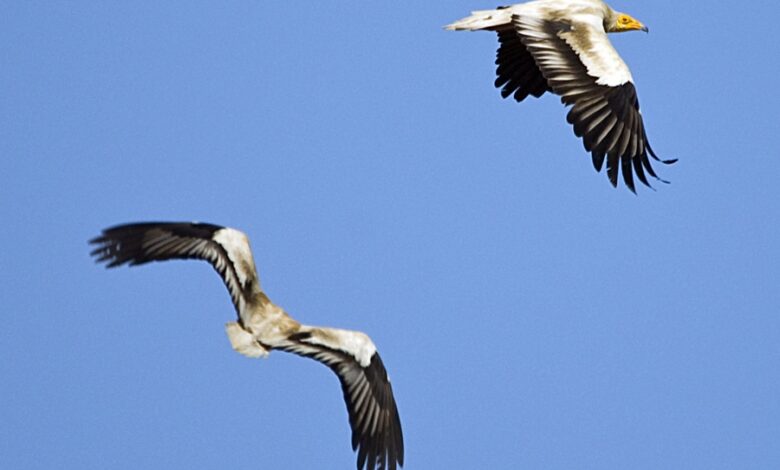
627, 23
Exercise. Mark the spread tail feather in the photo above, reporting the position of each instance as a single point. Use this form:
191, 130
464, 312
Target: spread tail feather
243, 341
480, 20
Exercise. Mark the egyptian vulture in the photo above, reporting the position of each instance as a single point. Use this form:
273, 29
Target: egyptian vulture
262, 326
561, 46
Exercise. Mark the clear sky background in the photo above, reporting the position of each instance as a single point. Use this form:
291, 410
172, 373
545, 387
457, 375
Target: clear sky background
530, 315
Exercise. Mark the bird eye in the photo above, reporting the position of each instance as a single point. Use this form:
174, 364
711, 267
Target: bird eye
624, 19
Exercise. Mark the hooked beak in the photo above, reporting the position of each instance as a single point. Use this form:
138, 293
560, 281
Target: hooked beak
629, 23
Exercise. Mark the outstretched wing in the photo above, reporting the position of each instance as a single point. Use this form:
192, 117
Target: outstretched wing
373, 416
516, 71
225, 248
580, 64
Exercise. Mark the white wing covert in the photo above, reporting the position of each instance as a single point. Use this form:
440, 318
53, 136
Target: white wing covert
581, 66
262, 326
373, 415
226, 249
562, 46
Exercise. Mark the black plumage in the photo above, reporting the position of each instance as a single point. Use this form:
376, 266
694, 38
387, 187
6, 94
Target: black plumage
373, 416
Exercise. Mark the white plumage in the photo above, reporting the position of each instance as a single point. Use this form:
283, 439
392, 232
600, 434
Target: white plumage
561, 46
263, 326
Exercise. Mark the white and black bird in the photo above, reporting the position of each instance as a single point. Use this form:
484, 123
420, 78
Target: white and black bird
262, 326
561, 46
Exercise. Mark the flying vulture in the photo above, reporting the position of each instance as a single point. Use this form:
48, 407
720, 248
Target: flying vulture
262, 326
561, 46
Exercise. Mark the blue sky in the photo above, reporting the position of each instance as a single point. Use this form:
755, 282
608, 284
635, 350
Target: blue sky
530, 316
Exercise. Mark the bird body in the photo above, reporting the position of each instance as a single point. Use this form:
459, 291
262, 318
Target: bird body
561, 46
262, 326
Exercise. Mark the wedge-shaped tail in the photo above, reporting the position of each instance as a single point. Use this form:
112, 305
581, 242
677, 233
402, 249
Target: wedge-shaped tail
483, 20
